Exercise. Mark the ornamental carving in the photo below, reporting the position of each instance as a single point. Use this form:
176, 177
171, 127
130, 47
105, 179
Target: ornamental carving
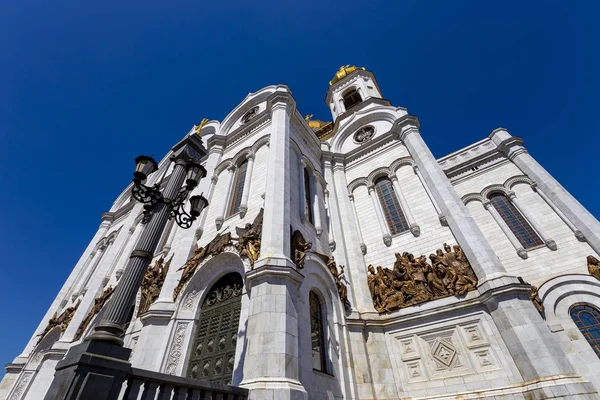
98, 304
414, 281
299, 247
364, 134
593, 267
21, 386
337, 276
250, 115
63, 320
230, 286
152, 283
248, 242
175, 351
215, 247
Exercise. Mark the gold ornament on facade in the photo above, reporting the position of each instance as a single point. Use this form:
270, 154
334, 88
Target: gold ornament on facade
536, 299
344, 71
152, 283
593, 265
248, 242
299, 247
413, 280
98, 304
63, 320
215, 247
337, 276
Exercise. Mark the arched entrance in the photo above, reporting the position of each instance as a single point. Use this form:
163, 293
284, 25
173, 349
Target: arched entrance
213, 349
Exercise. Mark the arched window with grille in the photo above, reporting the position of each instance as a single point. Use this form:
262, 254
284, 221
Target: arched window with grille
525, 234
391, 206
587, 319
351, 98
317, 335
308, 196
238, 188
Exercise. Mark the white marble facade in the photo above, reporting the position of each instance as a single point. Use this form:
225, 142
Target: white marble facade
491, 343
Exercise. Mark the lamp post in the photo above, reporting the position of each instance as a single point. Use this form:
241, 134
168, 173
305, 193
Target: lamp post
102, 353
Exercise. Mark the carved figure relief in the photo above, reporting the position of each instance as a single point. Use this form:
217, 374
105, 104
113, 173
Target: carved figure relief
593, 266
413, 280
337, 276
98, 304
215, 247
299, 247
63, 320
536, 299
152, 283
248, 242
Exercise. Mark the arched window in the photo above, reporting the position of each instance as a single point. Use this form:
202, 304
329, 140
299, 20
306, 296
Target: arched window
587, 319
308, 195
238, 188
351, 98
391, 206
317, 336
515, 221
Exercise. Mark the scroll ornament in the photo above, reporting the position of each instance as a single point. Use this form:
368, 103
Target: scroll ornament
414, 281
593, 266
98, 305
152, 283
63, 320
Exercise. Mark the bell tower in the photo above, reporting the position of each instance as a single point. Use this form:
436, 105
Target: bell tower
350, 87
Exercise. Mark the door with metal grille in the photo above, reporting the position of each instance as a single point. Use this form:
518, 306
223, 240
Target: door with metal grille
213, 350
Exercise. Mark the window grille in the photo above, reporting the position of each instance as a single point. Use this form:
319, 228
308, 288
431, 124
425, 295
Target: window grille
238, 188
391, 206
587, 319
317, 335
515, 221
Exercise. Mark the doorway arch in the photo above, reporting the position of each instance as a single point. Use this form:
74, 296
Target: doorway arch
212, 355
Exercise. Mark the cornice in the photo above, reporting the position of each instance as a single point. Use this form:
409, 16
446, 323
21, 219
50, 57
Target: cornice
405, 125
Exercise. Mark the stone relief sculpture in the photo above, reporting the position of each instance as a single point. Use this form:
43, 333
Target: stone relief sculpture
63, 320
214, 247
593, 266
248, 242
337, 276
299, 247
98, 304
152, 283
413, 280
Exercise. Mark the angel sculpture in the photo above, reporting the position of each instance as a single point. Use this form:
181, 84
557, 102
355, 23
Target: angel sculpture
593, 266
249, 239
152, 283
299, 248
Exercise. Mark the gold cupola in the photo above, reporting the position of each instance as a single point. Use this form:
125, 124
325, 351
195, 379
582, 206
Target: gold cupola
344, 71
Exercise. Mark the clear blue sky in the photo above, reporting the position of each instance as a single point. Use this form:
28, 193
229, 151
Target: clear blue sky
87, 86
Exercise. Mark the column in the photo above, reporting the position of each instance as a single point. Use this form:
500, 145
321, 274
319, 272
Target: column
316, 203
581, 218
228, 178
506, 229
247, 183
363, 246
302, 191
414, 228
385, 232
551, 244
330, 228
428, 191
562, 216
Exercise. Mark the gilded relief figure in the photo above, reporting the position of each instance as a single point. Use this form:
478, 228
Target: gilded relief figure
63, 320
152, 283
249, 238
337, 276
593, 266
413, 280
536, 299
299, 247
98, 304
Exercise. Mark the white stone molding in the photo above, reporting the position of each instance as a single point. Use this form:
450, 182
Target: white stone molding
551, 244
442, 218
102, 246
363, 246
302, 200
386, 237
506, 229
169, 242
558, 212
176, 350
413, 226
247, 183
227, 187
210, 191
21, 386
330, 228
127, 242
316, 183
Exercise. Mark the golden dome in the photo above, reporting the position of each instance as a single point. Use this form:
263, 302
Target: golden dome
344, 71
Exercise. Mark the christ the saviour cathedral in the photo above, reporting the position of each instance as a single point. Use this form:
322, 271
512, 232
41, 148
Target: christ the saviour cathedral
342, 260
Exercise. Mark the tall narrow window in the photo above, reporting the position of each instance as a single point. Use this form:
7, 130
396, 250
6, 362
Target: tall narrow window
587, 319
238, 188
515, 221
351, 99
308, 195
391, 206
317, 335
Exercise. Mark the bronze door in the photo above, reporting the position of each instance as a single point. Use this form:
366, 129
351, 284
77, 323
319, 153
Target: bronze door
213, 351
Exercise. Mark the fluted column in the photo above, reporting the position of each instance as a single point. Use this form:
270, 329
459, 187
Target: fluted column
413, 226
385, 232
506, 229
363, 246
247, 183
222, 212
316, 203
551, 244
302, 191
